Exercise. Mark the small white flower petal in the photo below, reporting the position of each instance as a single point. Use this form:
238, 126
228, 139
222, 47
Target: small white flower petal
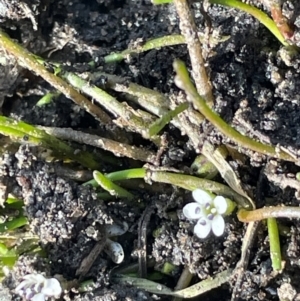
38, 287
38, 297
203, 227
51, 288
23, 285
34, 278
192, 211
29, 293
114, 250
202, 197
220, 204
30, 280
218, 225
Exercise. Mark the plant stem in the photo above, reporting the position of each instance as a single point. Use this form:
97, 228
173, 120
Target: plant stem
189, 31
241, 266
268, 212
187, 293
279, 27
149, 45
156, 2
275, 250
150, 100
28, 60
191, 183
24, 132
134, 173
160, 123
126, 115
118, 149
180, 180
256, 13
109, 186
157, 43
156, 103
280, 20
183, 281
183, 81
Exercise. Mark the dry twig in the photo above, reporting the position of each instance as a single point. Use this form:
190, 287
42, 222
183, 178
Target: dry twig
117, 148
189, 31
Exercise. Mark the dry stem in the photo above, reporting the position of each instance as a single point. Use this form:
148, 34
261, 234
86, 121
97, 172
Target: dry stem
118, 149
189, 31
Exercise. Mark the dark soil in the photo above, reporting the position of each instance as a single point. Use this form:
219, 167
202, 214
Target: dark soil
256, 87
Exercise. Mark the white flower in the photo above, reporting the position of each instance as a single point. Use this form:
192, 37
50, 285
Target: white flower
207, 210
36, 287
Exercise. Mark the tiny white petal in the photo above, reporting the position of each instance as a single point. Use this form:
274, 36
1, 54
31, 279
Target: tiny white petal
220, 204
38, 297
203, 227
218, 225
51, 288
192, 211
37, 287
34, 278
21, 286
28, 281
114, 250
29, 293
202, 197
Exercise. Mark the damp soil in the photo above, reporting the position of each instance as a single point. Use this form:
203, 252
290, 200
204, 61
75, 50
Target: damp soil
257, 89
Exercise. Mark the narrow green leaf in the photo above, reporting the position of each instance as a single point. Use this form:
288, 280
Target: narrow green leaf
13, 224
109, 186
275, 250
